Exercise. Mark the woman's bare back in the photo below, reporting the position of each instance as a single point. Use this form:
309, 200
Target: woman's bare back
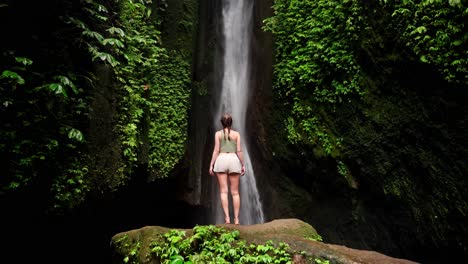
234, 135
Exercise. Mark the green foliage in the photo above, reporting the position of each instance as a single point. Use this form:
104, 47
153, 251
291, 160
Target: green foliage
317, 56
435, 32
358, 82
315, 49
132, 247
320, 261
154, 85
13, 75
60, 86
315, 64
212, 244
316, 67
46, 104
169, 99
141, 55
70, 189
156, 88
316, 237
39, 127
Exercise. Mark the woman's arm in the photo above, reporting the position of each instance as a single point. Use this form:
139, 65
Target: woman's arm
215, 153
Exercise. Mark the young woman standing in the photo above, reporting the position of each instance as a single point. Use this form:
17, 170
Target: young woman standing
227, 162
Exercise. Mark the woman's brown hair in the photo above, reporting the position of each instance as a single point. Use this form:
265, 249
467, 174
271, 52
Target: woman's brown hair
226, 121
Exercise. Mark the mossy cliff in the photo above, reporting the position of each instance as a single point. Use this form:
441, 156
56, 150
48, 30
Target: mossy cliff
367, 123
116, 78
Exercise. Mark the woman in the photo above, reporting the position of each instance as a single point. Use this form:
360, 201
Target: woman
227, 162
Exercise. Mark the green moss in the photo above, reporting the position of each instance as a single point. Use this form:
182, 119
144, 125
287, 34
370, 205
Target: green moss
383, 114
129, 248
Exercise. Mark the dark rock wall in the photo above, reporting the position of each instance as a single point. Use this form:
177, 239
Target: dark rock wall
105, 153
195, 183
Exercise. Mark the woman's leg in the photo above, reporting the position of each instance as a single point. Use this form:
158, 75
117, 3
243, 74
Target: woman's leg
223, 193
234, 186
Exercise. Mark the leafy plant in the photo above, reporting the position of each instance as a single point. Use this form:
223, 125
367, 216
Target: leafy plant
46, 104
212, 244
316, 67
349, 78
132, 247
154, 84
434, 32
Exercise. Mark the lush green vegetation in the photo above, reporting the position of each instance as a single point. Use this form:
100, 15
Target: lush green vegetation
435, 31
316, 65
319, 44
92, 91
378, 87
102, 49
209, 244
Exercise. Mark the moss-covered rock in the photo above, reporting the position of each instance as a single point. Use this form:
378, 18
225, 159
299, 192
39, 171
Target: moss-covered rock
136, 246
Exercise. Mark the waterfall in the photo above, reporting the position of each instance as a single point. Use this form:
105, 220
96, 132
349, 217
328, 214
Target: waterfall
234, 96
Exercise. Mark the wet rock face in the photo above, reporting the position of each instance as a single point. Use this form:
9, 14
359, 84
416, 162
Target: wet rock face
293, 232
104, 149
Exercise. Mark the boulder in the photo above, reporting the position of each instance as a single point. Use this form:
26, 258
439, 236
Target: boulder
299, 235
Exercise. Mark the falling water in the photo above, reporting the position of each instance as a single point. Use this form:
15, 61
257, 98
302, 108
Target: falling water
237, 18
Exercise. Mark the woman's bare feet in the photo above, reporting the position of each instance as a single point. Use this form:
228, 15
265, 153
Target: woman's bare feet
236, 221
227, 220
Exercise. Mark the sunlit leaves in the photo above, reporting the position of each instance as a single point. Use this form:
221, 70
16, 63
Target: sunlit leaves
101, 8
24, 61
12, 75
60, 87
117, 31
419, 30
75, 134
106, 57
67, 82
113, 41
57, 88
93, 34
455, 3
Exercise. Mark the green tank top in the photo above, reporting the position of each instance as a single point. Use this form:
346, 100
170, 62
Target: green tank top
227, 145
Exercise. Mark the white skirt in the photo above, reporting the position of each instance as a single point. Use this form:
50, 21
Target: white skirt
228, 163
